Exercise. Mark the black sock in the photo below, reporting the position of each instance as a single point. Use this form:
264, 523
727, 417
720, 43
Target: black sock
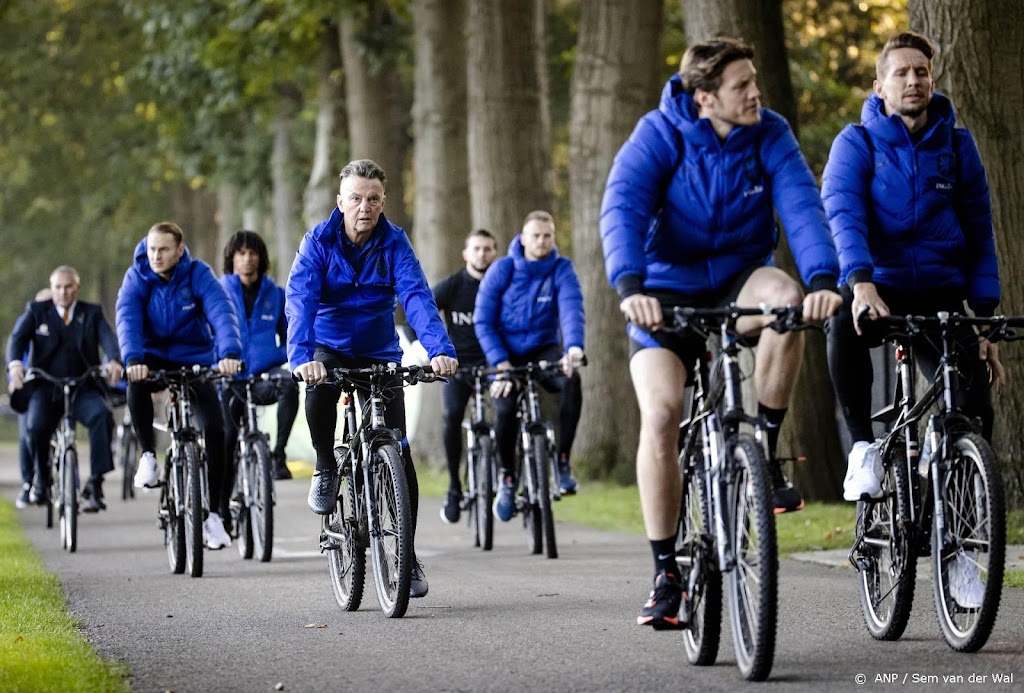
665, 555
773, 424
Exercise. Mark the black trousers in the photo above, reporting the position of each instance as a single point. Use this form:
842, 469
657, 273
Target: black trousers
455, 397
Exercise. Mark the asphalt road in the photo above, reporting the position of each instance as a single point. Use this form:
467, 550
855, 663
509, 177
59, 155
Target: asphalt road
496, 621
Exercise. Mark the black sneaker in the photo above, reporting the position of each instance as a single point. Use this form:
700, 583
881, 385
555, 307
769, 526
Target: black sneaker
566, 481
92, 496
323, 492
281, 471
452, 507
418, 586
23, 500
40, 494
661, 611
785, 498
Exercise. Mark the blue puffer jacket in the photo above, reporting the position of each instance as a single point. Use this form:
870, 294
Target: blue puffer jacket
912, 216
328, 304
522, 303
187, 320
260, 349
686, 212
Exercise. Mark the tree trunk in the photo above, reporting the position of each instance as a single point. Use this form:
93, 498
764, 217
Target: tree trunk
284, 196
228, 213
195, 211
374, 100
615, 81
807, 432
507, 148
322, 187
978, 45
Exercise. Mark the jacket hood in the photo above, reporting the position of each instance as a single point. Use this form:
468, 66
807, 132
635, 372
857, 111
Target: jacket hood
892, 129
146, 273
531, 267
681, 111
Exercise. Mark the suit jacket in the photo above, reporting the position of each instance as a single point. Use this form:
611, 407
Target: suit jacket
41, 332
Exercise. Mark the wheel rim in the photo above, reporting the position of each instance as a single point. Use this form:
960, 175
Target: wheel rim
386, 546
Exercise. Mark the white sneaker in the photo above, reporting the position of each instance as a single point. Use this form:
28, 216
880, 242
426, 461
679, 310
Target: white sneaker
863, 473
965, 583
146, 476
214, 535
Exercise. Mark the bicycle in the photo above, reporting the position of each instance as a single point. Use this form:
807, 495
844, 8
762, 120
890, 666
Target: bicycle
535, 450
63, 457
373, 507
126, 447
253, 497
184, 493
726, 520
947, 503
481, 466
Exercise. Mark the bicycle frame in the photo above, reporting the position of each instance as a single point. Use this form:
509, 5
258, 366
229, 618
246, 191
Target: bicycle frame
182, 431
531, 422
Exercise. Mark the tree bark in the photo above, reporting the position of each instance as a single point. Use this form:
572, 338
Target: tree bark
978, 46
228, 213
807, 431
284, 195
195, 211
507, 151
319, 198
615, 81
374, 98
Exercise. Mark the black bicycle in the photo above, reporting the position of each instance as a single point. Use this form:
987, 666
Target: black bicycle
373, 507
481, 466
726, 520
184, 493
63, 457
126, 447
945, 501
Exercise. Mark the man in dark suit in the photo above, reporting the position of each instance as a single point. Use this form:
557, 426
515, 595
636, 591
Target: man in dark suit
63, 336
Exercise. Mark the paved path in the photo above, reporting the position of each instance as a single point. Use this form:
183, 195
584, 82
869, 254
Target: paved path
501, 621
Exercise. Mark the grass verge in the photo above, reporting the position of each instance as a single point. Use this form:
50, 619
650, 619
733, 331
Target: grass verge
41, 648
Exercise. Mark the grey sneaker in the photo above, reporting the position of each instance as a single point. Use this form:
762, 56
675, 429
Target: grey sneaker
418, 586
23, 497
323, 492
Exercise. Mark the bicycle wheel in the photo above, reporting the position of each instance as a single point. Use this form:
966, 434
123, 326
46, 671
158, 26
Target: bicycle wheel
129, 454
193, 509
261, 512
887, 562
68, 503
967, 558
346, 557
391, 544
483, 462
55, 495
698, 569
240, 503
542, 466
527, 501
753, 582
173, 521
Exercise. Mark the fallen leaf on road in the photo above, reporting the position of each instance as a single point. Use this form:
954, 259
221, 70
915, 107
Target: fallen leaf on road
279, 687
315, 625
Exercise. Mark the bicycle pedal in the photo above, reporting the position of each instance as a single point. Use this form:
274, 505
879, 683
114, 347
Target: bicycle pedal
328, 545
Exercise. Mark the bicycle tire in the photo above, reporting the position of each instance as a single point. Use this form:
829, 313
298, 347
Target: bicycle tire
193, 510
346, 563
470, 497
128, 451
752, 612
240, 505
698, 568
69, 500
261, 513
174, 524
391, 544
483, 460
51, 460
889, 570
542, 466
975, 509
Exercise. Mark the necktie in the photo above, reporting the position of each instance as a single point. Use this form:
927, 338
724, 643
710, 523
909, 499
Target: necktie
67, 315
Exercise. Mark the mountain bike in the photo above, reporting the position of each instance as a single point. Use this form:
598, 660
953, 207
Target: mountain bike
373, 507
126, 450
253, 497
481, 466
945, 501
184, 493
63, 457
726, 520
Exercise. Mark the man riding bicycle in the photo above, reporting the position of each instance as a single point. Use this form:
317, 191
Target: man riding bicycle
529, 307
688, 219
63, 336
173, 313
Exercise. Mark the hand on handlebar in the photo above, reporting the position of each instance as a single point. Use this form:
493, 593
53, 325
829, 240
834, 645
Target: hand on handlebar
642, 310
311, 373
819, 306
114, 372
139, 371
502, 386
17, 373
229, 366
988, 352
867, 301
444, 366
573, 359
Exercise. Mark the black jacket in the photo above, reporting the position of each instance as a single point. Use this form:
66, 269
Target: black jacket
41, 332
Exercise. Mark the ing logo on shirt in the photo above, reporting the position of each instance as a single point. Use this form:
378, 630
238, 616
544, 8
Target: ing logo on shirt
461, 318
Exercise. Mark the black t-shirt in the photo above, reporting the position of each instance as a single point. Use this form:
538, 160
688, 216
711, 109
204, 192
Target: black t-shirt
456, 296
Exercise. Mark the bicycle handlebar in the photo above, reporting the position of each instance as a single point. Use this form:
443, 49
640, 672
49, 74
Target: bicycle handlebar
410, 375
892, 326
683, 318
530, 368
90, 373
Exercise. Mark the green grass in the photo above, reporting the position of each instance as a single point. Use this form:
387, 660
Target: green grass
41, 647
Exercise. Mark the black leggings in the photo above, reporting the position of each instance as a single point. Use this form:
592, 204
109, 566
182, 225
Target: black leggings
849, 359
322, 417
570, 406
455, 396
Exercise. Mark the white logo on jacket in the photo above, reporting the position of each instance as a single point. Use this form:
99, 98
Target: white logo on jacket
756, 190
43, 330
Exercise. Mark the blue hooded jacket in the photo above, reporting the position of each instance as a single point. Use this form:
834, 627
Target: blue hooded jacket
522, 303
260, 348
328, 303
686, 212
913, 216
187, 319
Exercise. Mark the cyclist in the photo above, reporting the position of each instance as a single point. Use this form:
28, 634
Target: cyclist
456, 297
26, 464
524, 300
908, 201
340, 302
264, 332
63, 336
687, 219
172, 313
